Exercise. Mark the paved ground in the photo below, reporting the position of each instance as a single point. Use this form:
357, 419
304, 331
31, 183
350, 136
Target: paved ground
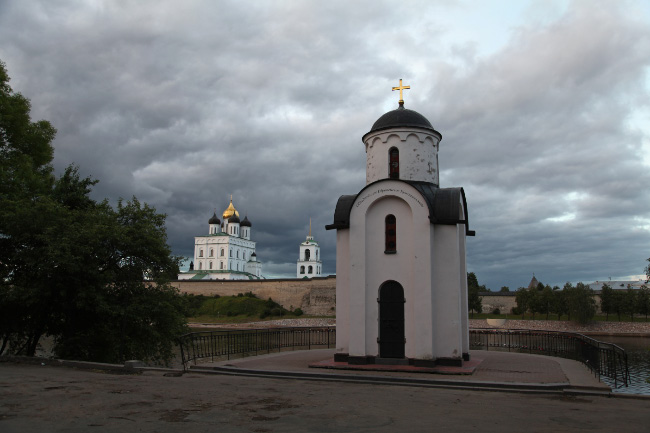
36, 398
495, 367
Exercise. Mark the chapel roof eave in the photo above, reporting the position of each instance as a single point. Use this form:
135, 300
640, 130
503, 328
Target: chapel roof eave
410, 128
443, 204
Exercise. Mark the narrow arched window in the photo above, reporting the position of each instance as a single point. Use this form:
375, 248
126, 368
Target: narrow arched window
211, 252
307, 254
210, 265
391, 235
200, 265
302, 269
393, 163
200, 253
230, 252
243, 255
220, 265
221, 252
310, 270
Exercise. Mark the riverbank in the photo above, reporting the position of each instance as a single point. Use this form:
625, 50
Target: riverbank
631, 329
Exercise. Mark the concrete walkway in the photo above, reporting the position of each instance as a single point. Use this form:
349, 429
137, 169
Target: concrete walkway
496, 371
37, 398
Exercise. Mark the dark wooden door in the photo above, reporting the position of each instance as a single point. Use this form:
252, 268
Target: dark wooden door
391, 320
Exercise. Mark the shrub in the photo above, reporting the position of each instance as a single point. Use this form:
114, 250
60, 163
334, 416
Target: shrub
297, 312
496, 311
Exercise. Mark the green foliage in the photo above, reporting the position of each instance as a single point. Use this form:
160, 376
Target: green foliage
546, 300
74, 268
607, 300
629, 302
559, 303
522, 298
580, 302
243, 304
504, 289
474, 301
643, 302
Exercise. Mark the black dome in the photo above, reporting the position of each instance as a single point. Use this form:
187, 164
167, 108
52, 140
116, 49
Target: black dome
400, 118
245, 222
214, 219
233, 219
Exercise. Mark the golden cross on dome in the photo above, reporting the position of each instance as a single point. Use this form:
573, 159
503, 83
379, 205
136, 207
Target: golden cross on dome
401, 88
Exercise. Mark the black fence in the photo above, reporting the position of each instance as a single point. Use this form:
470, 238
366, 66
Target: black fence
225, 343
603, 359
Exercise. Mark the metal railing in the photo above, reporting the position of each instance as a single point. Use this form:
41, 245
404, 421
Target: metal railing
226, 343
603, 359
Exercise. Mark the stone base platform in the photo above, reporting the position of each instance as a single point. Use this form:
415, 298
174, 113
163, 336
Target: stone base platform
468, 367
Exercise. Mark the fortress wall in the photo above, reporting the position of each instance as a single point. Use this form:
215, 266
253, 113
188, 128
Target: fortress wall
315, 296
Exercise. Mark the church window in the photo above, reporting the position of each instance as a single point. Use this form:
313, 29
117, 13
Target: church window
244, 255
220, 265
211, 252
302, 269
391, 235
310, 270
221, 252
393, 164
200, 265
237, 253
230, 252
200, 253
316, 254
210, 265
307, 254
237, 266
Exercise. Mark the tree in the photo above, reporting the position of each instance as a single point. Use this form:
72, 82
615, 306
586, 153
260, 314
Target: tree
546, 301
560, 306
618, 303
504, 289
474, 301
534, 301
74, 268
522, 297
607, 300
643, 301
580, 302
630, 302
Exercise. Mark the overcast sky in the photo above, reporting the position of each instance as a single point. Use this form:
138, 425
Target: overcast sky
544, 109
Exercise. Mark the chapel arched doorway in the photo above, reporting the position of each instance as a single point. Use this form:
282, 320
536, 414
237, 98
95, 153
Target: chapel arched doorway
391, 320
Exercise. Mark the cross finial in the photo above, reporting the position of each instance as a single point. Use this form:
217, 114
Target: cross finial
309, 227
401, 88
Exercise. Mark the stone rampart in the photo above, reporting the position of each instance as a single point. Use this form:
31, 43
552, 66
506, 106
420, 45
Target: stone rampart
315, 296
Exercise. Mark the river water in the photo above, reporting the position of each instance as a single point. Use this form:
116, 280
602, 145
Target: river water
638, 361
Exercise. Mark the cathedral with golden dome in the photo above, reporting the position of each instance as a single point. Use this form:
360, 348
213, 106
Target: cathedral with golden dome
226, 252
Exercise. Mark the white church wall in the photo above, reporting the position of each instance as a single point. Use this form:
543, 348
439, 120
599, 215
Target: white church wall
342, 290
418, 155
447, 281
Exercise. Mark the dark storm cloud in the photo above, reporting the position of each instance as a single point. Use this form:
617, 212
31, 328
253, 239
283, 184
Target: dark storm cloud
183, 104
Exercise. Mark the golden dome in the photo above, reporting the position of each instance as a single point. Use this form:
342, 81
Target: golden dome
230, 211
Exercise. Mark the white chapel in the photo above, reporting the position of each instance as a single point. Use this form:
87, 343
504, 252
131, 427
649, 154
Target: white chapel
401, 274
226, 252
309, 262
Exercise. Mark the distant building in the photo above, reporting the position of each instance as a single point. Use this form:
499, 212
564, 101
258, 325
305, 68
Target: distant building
309, 262
617, 285
226, 252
